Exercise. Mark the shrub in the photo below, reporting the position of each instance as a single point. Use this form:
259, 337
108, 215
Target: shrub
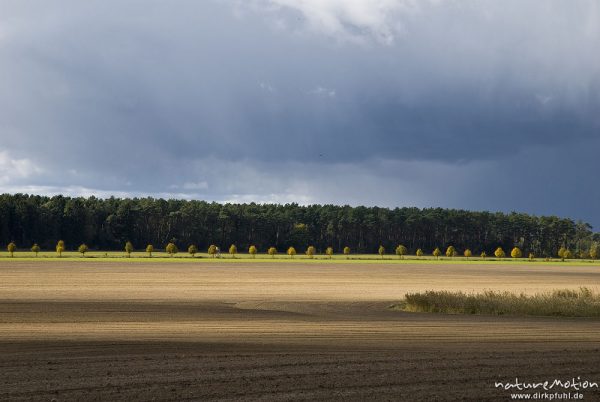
83, 249
499, 253
401, 251
212, 250
171, 249
252, 251
291, 252
128, 248
35, 249
60, 247
516, 253
12, 247
329, 252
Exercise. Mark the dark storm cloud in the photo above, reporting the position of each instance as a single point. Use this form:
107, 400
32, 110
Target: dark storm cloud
283, 100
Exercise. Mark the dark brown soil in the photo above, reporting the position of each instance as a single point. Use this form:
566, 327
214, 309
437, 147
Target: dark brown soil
102, 337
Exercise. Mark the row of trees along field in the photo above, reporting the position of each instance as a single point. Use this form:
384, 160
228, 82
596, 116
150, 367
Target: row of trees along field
108, 223
311, 251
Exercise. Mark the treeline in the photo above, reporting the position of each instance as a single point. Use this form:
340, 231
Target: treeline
109, 223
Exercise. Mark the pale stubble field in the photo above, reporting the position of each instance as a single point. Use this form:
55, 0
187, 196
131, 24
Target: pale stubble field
276, 330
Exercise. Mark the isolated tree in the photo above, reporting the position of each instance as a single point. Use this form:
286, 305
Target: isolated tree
35, 249
192, 250
450, 251
150, 250
516, 253
561, 252
420, 253
310, 251
12, 247
83, 248
401, 251
252, 251
567, 255
499, 253
212, 250
381, 251
232, 250
171, 249
272, 251
468, 253
595, 251
329, 252
291, 252
60, 247
483, 255
437, 252
347, 252
128, 249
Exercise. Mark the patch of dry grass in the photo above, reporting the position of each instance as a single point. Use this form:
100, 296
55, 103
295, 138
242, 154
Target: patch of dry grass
583, 302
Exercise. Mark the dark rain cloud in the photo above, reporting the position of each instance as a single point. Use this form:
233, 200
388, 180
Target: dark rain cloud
305, 101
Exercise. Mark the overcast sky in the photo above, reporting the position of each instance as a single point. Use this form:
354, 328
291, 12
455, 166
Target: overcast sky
483, 105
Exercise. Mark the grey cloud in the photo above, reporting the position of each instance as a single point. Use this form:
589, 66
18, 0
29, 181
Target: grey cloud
278, 100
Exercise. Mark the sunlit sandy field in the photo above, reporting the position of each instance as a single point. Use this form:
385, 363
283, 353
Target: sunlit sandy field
277, 330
